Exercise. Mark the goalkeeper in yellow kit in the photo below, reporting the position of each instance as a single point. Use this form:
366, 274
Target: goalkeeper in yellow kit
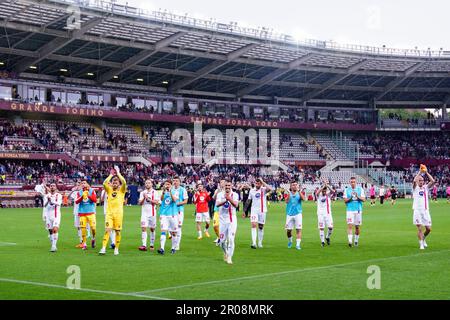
115, 187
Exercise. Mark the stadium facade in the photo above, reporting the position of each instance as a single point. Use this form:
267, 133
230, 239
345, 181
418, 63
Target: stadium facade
123, 71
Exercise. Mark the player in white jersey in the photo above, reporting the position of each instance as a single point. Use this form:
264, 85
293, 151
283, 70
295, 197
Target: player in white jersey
148, 199
421, 205
227, 201
324, 215
258, 213
52, 214
42, 189
112, 233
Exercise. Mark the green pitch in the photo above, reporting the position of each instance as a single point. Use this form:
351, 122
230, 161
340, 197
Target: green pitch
29, 271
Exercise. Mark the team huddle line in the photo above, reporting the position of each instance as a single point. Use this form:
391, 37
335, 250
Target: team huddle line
169, 205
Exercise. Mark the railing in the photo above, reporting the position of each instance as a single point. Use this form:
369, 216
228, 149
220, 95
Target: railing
345, 144
263, 33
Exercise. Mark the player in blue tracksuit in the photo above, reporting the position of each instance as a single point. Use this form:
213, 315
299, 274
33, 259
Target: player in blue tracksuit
182, 199
354, 196
168, 216
294, 215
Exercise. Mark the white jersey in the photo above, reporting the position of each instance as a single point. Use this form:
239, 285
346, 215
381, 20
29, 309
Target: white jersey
147, 207
227, 212
74, 196
52, 204
323, 204
382, 192
259, 200
421, 198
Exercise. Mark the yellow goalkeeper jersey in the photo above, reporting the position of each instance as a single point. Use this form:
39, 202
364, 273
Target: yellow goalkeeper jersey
116, 198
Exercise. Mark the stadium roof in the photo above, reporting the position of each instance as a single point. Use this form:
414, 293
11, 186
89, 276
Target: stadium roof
106, 45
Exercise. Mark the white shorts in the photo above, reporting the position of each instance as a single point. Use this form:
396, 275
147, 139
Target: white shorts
354, 217
325, 220
422, 217
202, 217
180, 218
148, 221
168, 223
51, 221
258, 217
227, 231
76, 221
294, 222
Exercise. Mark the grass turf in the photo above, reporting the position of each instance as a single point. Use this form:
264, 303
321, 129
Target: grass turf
29, 271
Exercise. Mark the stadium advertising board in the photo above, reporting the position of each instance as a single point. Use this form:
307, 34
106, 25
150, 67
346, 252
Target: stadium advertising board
36, 156
227, 122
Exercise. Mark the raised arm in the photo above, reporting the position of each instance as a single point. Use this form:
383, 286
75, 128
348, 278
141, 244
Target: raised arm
416, 178
266, 186
432, 181
123, 188
106, 183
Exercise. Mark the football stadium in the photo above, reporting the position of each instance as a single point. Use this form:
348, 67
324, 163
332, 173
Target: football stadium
146, 155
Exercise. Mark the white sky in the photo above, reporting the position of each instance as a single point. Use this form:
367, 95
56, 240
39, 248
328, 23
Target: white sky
402, 24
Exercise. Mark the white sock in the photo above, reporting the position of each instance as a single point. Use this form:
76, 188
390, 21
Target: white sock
290, 239
144, 238
230, 248
329, 232
79, 235
350, 238
224, 247
299, 241
178, 241
206, 229
254, 236
162, 239
54, 239
175, 240
199, 233
112, 236
152, 238
88, 229
260, 235
356, 238
322, 235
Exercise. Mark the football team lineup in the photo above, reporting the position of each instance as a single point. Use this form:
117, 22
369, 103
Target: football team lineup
174, 197
388, 242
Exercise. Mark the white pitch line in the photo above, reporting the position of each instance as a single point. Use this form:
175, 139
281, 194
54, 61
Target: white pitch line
49, 285
285, 272
4, 244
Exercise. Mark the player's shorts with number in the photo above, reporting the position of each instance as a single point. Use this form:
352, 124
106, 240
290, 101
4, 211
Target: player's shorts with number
169, 223
227, 230
354, 217
422, 217
258, 217
294, 222
202, 217
91, 219
148, 221
324, 220
51, 221
114, 221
